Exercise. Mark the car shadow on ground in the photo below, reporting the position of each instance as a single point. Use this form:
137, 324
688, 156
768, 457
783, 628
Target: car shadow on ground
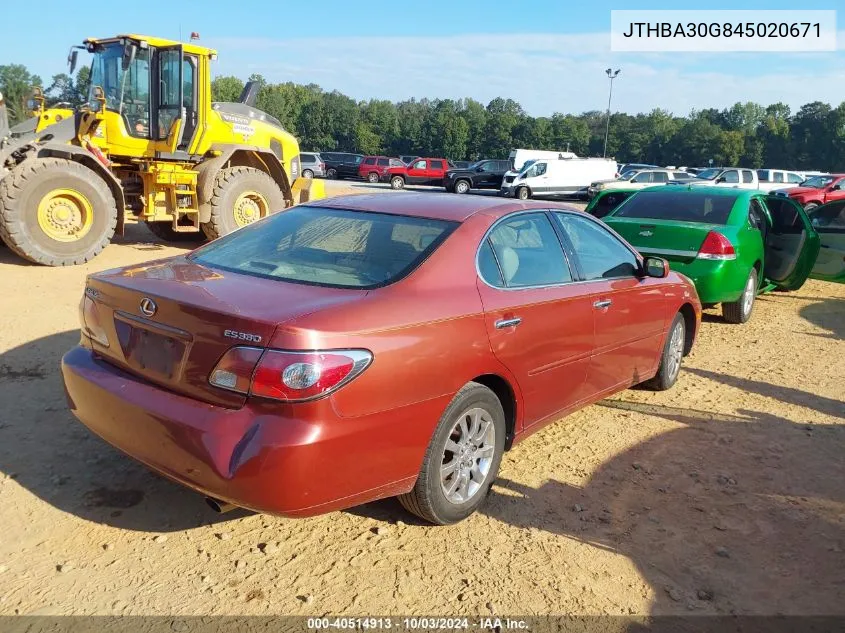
728, 514
828, 314
44, 449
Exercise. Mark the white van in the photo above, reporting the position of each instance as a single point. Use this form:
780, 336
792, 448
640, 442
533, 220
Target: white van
557, 176
519, 157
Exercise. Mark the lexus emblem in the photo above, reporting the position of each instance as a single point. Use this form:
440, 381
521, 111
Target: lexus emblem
148, 307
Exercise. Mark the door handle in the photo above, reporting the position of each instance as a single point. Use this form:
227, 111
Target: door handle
501, 324
604, 303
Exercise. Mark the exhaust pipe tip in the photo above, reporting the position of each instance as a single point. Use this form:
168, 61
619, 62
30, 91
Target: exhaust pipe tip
220, 507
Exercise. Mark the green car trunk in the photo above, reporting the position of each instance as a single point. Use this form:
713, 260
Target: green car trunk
729, 232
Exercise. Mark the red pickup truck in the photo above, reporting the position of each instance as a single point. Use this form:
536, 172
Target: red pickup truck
817, 190
422, 171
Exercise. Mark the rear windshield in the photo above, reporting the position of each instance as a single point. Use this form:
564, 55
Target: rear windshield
328, 247
682, 206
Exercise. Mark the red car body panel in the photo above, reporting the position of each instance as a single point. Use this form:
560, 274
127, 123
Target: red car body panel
429, 333
432, 173
808, 195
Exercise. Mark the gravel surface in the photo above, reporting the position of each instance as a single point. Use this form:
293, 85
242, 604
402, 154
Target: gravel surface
725, 494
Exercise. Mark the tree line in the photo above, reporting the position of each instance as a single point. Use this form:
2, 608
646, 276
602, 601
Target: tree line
745, 135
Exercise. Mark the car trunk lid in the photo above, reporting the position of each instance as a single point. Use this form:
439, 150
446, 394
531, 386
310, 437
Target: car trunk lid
675, 241
171, 321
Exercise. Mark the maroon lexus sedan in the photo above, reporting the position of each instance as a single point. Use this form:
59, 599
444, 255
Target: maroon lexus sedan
368, 346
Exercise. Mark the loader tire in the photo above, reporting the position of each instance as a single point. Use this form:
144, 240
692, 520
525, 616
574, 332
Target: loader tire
56, 212
164, 231
241, 196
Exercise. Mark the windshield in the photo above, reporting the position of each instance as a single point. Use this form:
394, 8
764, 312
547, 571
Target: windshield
680, 206
708, 174
126, 92
817, 182
328, 247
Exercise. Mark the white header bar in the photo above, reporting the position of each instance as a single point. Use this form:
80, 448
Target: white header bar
722, 31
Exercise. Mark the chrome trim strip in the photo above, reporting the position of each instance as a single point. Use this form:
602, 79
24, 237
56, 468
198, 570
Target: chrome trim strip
665, 251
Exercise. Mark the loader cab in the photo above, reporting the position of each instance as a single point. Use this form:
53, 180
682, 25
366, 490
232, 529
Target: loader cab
153, 89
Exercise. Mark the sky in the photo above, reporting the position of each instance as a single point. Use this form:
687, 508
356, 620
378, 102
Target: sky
548, 56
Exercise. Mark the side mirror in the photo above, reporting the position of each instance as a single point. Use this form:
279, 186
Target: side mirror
720, 179
71, 60
836, 187
656, 267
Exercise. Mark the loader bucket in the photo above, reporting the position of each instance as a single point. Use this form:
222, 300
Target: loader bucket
306, 189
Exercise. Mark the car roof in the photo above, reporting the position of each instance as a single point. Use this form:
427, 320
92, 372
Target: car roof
713, 191
437, 206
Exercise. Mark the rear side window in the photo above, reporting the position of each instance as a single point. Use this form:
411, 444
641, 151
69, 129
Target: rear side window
778, 176
763, 174
608, 202
437, 164
785, 215
528, 252
370, 161
660, 176
794, 178
680, 206
308, 158
383, 162
328, 247
395, 162
747, 176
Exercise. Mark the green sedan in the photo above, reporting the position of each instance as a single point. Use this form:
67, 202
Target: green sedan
732, 243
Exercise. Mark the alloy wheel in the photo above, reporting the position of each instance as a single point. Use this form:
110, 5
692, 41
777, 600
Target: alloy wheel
468, 455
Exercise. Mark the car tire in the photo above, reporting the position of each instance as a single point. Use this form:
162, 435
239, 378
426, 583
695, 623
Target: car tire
810, 206
32, 193
672, 356
372, 178
397, 182
739, 311
462, 186
473, 422
331, 173
238, 190
307, 173
522, 193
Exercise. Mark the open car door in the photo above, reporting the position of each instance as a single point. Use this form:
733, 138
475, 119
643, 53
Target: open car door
791, 244
829, 222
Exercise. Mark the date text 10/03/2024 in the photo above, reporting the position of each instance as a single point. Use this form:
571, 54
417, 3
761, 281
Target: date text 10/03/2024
417, 624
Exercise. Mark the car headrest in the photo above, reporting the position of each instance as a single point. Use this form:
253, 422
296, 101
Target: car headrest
510, 263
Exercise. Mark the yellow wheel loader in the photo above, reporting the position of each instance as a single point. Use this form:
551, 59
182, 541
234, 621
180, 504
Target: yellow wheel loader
149, 143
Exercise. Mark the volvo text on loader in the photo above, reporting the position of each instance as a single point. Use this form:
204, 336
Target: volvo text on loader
149, 143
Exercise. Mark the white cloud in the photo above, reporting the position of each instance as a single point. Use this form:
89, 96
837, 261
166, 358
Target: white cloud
545, 73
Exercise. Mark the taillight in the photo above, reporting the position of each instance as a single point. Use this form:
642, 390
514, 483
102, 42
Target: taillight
716, 246
286, 375
91, 325
234, 370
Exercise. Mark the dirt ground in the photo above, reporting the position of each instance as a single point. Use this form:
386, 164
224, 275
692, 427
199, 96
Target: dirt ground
725, 494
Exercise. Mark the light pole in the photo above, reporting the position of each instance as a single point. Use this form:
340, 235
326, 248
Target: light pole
611, 74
